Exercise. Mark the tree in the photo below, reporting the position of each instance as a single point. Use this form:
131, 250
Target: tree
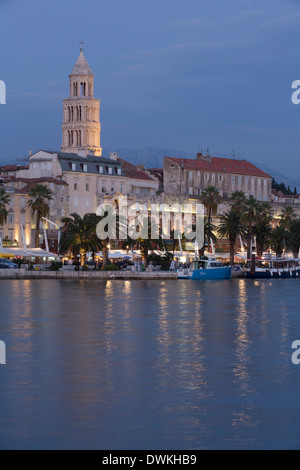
210, 198
238, 200
248, 218
262, 226
287, 217
280, 240
295, 233
231, 227
78, 235
141, 231
4, 201
39, 205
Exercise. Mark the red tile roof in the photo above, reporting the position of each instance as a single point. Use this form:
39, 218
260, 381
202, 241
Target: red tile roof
221, 165
131, 171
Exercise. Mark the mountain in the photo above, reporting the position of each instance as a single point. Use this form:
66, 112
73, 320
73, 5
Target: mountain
279, 177
151, 157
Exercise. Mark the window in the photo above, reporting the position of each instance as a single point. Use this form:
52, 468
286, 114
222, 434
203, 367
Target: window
190, 191
87, 202
23, 219
11, 218
110, 171
101, 169
220, 177
206, 176
75, 201
265, 182
144, 191
213, 176
190, 175
233, 179
121, 189
103, 189
239, 179
87, 186
75, 186
23, 202
73, 166
84, 167
246, 179
119, 171
258, 181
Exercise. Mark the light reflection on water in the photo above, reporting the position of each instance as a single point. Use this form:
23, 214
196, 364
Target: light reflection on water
149, 365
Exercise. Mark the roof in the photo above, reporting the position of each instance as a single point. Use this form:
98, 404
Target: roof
221, 165
81, 67
131, 171
13, 167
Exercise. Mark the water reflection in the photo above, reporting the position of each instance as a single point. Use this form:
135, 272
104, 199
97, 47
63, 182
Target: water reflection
141, 364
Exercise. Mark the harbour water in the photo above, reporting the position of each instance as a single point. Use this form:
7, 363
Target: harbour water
149, 364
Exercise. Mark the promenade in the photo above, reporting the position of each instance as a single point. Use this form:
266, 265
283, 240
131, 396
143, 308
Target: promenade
102, 275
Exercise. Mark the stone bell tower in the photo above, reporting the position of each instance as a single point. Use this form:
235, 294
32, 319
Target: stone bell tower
81, 112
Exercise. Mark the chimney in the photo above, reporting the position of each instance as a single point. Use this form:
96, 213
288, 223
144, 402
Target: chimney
206, 158
140, 167
114, 156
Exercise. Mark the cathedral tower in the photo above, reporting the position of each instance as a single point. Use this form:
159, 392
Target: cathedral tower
81, 112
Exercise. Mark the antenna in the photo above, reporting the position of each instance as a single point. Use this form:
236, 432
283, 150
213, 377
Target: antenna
233, 153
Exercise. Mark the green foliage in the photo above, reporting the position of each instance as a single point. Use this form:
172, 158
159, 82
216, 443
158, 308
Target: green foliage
110, 267
55, 266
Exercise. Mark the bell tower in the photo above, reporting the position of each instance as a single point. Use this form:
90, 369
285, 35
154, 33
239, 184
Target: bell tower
81, 112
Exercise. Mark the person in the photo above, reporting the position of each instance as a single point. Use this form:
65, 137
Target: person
172, 266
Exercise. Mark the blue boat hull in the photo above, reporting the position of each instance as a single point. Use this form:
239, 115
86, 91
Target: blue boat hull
211, 273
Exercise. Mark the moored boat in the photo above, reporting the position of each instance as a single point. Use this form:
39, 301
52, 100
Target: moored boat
266, 268
202, 269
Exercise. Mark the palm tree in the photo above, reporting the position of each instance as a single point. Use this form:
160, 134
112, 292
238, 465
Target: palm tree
210, 198
4, 201
230, 226
79, 235
113, 227
248, 218
262, 226
287, 216
144, 240
39, 205
295, 232
280, 240
238, 200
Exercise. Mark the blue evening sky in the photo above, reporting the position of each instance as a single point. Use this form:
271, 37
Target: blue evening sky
168, 73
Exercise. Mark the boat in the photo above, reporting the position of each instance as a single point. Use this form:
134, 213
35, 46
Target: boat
202, 269
266, 268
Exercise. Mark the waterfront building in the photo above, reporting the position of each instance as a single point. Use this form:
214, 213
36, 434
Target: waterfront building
190, 176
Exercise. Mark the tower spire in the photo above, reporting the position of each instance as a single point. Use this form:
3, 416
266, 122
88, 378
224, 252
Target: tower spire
81, 121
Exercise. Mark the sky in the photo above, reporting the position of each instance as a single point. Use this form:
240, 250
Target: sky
169, 74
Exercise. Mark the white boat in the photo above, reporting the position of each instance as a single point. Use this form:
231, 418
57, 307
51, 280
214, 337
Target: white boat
266, 268
202, 269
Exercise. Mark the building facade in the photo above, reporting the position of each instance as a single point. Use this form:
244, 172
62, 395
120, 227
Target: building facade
190, 177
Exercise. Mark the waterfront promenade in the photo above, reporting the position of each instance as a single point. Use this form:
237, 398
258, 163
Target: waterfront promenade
101, 275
